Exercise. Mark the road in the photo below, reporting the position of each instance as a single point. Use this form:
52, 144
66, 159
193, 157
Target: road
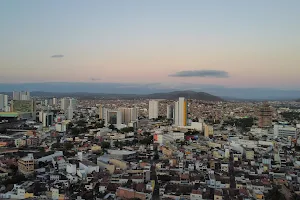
155, 195
231, 172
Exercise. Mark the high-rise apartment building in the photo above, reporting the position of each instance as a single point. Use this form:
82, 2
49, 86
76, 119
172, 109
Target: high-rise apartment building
16, 95
48, 102
113, 117
25, 96
101, 112
129, 115
265, 116
170, 111
48, 119
70, 113
125, 113
41, 116
64, 103
153, 109
3, 103
134, 113
181, 112
54, 101
73, 103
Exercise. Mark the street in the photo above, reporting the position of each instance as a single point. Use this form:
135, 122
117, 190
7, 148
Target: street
153, 175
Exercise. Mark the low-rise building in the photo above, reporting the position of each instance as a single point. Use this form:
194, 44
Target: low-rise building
26, 165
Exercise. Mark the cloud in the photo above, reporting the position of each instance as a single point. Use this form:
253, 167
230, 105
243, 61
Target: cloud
95, 79
57, 56
201, 73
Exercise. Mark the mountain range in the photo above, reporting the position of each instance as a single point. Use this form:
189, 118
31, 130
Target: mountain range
167, 95
131, 89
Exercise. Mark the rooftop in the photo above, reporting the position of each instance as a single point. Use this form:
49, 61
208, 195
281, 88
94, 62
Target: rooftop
87, 162
120, 152
28, 158
9, 114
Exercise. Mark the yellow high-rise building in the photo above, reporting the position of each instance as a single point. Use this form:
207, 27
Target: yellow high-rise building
181, 112
101, 111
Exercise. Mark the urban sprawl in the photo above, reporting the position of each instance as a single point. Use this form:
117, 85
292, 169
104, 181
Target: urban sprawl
84, 149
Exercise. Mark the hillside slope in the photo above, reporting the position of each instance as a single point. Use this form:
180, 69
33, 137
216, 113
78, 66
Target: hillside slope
187, 94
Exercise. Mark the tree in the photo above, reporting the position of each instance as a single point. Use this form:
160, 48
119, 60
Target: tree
147, 133
134, 141
275, 194
295, 197
127, 130
70, 125
243, 123
290, 116
129, 183
42, 164
68, 145
118, 144
156, 156
147, 141
75, 131
13, 168
105, 145
99, 124
15, 179
38, 188
41, 149
196, 119
81, 122
112, 127
55, 146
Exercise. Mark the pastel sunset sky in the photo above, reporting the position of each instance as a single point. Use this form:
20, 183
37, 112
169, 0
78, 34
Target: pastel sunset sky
232, 43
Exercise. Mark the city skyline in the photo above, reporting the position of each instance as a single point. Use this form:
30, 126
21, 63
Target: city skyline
245, 44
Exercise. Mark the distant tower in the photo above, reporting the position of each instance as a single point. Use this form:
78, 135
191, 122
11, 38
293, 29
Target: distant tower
16, 95
64, 104
54, 101
134, 114
21, 95
101, 111
170, 110
70, 113
73, 103
25, 96
153, 109
3, 102
265, 116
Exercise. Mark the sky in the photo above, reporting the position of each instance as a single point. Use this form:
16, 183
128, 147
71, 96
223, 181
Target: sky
228, 43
